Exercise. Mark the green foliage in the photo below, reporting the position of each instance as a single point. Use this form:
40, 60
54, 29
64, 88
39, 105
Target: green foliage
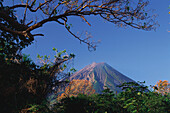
106, 102
81, 103
136, 98
10, 44
23, 83
34, 108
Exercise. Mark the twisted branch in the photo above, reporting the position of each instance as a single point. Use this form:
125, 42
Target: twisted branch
114, 11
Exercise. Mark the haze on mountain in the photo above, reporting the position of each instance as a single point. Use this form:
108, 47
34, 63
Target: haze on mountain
102, 74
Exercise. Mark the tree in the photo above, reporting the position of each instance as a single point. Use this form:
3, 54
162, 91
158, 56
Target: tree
163, 87
136, 98
119, 12
23, 82
10, 44
76, 87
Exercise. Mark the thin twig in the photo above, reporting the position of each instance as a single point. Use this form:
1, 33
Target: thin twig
25, 12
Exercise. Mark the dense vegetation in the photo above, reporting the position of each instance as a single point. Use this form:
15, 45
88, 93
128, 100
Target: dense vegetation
136, 98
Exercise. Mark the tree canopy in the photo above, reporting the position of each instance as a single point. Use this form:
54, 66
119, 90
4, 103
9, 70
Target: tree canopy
119, 12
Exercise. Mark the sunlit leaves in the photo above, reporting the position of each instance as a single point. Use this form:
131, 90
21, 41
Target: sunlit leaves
61, 56
163, 87
76, 87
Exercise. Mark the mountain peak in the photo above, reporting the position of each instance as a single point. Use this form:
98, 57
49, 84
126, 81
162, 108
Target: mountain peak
95, 64
91, 66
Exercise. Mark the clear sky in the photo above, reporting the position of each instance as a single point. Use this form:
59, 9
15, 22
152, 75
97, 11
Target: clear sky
140, 55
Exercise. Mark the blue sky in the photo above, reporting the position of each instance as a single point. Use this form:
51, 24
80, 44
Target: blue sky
140, 55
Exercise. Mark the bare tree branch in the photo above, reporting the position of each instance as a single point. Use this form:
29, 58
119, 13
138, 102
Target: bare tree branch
25, 12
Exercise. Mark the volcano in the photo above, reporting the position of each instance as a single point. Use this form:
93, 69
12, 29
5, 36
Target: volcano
102, 74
